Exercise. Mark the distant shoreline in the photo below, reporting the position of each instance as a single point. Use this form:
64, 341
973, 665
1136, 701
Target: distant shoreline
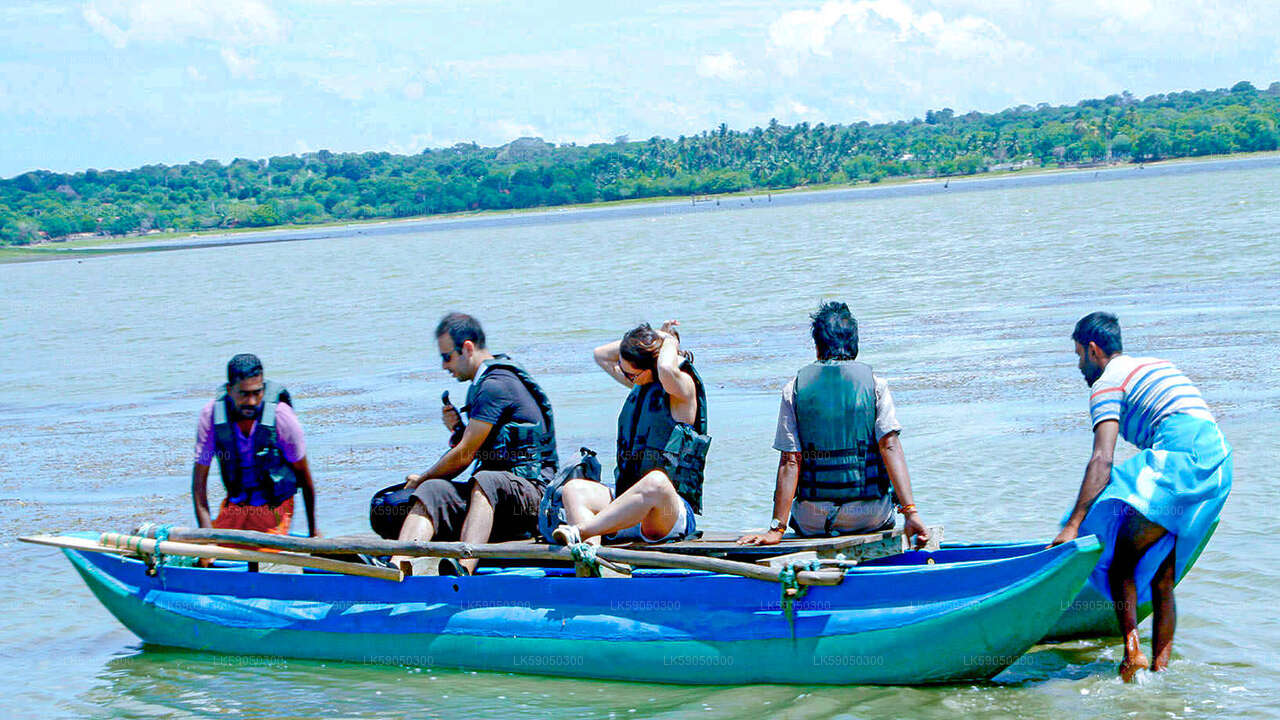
623, 208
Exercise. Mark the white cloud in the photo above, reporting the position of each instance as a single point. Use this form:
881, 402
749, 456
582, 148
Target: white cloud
194, 74
235, 23
359, 83
104, 27
417, 143
511, 129
868, 29
350, 87
238, 65
721, 66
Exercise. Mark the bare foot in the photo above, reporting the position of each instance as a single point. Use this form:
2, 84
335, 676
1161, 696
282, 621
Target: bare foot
1162, 658
1134, 660
1131, 665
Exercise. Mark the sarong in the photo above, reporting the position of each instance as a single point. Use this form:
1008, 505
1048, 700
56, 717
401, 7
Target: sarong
262, 518
1180, 484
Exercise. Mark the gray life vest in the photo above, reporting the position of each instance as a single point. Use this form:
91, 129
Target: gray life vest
836, 415
525, 449
270, 474
650, 439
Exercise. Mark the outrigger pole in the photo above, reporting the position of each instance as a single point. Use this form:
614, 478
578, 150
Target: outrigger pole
206, 542
120, 544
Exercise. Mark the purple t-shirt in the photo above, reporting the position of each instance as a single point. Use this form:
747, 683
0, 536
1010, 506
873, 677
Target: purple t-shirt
288, 435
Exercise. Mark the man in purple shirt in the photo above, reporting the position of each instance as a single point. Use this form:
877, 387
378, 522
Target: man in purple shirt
262, 454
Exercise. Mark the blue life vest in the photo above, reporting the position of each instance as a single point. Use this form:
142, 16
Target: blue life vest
270, 474
836, 416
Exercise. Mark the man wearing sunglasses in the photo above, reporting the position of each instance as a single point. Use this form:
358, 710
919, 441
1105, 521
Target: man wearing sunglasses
510, 434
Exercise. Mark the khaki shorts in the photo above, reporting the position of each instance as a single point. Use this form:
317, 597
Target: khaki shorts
515, 504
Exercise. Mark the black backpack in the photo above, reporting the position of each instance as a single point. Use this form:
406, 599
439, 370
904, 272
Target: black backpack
388, 509
550, 511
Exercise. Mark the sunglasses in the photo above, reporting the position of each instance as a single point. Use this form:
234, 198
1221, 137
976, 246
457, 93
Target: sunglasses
630, 376
447, 356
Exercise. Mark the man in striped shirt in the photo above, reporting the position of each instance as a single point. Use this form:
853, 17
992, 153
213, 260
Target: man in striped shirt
1153, 512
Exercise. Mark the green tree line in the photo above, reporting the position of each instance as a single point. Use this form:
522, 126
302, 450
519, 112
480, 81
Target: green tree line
325, 186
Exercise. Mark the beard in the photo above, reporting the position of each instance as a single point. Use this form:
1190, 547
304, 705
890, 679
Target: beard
1091, 373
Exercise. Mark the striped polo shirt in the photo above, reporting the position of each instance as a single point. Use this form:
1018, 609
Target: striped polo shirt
1139, 392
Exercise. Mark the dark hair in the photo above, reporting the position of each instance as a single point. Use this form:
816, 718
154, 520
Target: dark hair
1100, 328
460, 328
835, 332
244, 365
640, 347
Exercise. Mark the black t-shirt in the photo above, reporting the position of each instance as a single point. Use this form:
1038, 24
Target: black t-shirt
502, 398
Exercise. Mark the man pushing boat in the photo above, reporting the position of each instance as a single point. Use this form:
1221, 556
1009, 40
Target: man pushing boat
662, 447
261, 451
1154, 510
841, 463
510, 432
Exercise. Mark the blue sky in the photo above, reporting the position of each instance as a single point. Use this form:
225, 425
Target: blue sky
122, 83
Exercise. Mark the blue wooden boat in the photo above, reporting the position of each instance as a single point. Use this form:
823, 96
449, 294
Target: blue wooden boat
883, 624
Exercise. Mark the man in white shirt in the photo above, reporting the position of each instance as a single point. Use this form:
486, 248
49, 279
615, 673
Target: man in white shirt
841, 465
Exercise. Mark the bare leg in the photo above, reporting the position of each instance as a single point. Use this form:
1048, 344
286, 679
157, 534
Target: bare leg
417, 526
1136, 535
652, 501
583, 500
478, 525
1164, 615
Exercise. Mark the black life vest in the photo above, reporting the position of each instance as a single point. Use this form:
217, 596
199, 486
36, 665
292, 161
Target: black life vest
650, 439
525, 449
270, 474
836, 415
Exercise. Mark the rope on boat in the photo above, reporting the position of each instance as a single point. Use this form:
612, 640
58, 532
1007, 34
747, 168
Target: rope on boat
162, 534
585, 554
792, 590
157, 559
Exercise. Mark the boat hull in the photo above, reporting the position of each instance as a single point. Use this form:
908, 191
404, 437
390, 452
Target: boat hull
907, 625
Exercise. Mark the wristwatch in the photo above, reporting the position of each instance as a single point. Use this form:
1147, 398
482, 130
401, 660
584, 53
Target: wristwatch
776, 524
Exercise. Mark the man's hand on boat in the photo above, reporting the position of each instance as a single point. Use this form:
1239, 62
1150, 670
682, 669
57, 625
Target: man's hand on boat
769, 537
913, 526
1068, 534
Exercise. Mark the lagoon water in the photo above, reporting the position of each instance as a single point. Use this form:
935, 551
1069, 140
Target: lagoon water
965, 295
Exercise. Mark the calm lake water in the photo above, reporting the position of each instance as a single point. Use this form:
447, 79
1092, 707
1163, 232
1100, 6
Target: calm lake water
965, 295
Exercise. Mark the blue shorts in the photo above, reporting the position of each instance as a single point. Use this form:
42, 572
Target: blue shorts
551, 516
